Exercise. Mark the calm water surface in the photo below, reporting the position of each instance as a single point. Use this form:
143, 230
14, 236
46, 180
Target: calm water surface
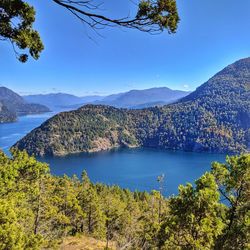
129, 168
12, 132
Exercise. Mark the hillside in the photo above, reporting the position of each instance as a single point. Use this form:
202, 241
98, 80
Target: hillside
214, 118
148, 105
15, 104
6, 115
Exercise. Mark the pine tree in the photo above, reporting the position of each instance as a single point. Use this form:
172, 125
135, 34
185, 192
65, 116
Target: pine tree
93, 221
194, 220
233, 179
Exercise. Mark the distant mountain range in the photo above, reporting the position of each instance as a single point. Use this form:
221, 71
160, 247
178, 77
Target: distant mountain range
13, 105
144, 98
214, 118
61, 100
130, 99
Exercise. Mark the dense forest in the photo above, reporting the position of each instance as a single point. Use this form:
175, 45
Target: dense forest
38, 210
214, 118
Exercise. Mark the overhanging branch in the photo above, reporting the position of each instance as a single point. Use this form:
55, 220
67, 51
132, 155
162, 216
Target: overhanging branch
152, 16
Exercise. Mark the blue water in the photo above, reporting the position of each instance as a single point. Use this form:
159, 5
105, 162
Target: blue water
12, 132
136, 169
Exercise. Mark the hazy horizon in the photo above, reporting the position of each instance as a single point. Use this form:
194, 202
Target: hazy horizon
77, 95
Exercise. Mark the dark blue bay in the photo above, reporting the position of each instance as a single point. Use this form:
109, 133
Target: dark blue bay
129, 168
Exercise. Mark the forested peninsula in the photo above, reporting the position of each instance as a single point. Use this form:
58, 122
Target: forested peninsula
214, 118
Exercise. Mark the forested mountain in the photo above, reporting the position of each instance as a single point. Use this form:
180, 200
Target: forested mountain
148, 105
146, 98
214, 118
38, 210
15, 104
6, 115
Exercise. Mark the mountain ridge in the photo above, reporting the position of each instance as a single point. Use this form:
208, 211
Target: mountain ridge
141, 97
214, 118
57, 100
127, 99
13, 105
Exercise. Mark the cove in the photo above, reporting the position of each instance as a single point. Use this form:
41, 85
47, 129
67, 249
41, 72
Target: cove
135, 169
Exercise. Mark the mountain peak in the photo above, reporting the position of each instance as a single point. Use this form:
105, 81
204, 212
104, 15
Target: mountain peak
237, 69
233, 80
13, 103
214, 118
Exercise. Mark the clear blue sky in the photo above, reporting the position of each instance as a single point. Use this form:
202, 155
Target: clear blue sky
211, 35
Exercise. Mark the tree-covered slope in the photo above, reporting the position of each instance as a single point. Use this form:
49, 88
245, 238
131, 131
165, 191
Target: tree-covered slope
214, 118
6, 115
16, 104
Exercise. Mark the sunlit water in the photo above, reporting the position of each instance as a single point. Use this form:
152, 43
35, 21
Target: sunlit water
136, 169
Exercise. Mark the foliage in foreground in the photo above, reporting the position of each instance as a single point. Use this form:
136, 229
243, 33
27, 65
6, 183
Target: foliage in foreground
37, 210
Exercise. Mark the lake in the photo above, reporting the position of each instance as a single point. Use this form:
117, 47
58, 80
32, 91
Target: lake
136, 169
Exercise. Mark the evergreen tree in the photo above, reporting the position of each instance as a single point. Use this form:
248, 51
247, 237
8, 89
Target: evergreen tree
20, 32
233, 179
38, 210
93, 222
194, 220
